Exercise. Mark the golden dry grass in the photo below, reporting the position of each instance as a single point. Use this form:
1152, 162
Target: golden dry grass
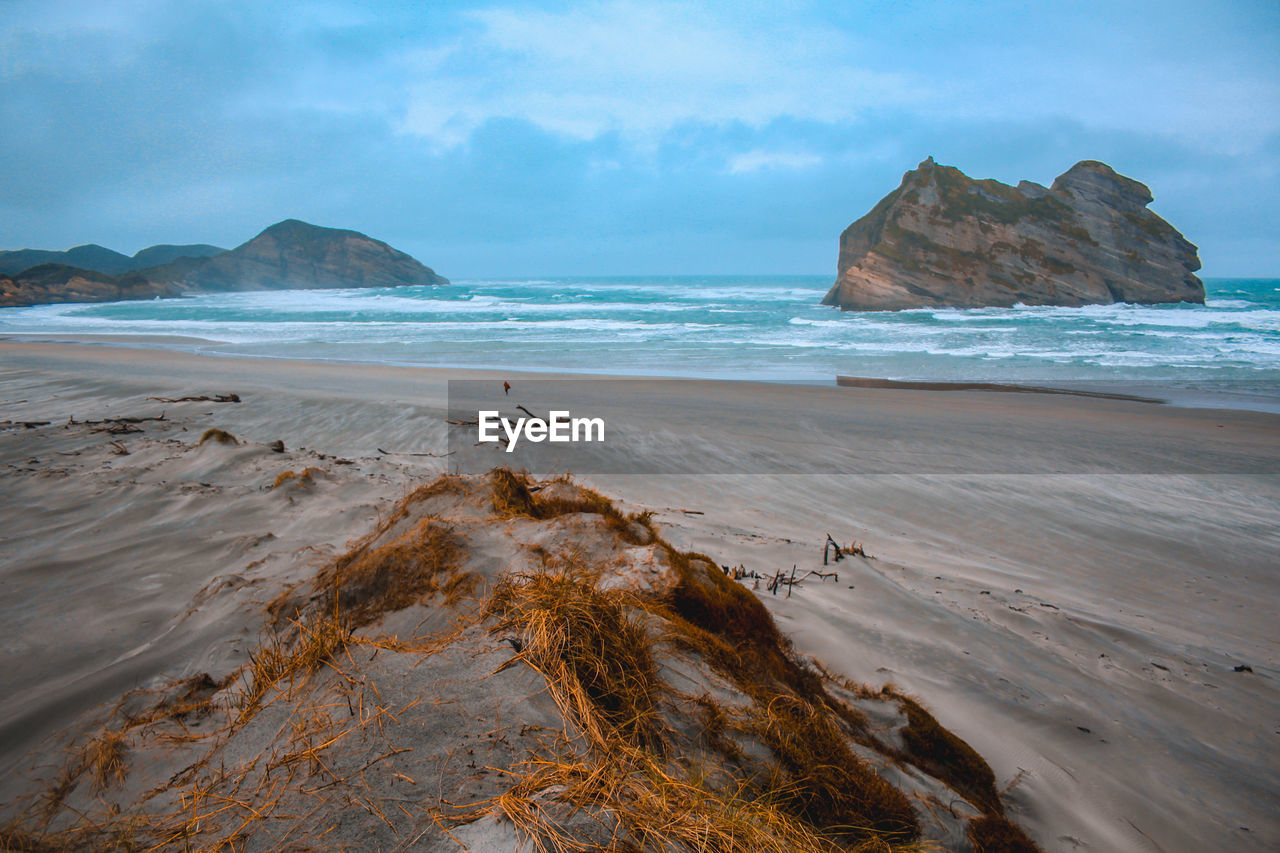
105, 759
632, 802
302, 478
995, 834
221, 436
367, 582
513, 495
941, 754
282, 658
597, 659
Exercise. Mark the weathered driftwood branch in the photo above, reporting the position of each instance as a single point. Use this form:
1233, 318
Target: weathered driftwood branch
780, 577
71, 421
432, 455
203, 398
841, 551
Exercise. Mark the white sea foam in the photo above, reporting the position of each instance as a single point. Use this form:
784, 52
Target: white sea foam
769, 327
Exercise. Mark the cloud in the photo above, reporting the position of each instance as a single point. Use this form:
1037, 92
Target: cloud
757, 159
641, 70
624, 135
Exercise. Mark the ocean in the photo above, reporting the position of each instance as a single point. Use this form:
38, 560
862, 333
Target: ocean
752, 327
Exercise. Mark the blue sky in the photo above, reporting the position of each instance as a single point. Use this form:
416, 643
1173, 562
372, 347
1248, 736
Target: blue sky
519, 139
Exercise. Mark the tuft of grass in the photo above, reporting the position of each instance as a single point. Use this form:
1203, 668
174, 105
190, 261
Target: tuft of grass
945, 756
637, 804
304, 478
104, 757
825, 783
366, 582
995, 834
597, 659
514, 495
219, 435
705, 597
15, 839
279, 659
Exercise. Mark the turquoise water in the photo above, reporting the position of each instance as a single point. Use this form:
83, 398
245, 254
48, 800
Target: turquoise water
729, 326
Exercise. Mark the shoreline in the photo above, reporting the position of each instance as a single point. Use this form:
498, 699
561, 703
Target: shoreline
1204, 394
1079, 628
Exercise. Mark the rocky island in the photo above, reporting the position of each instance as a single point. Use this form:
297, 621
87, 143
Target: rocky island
288, 255
945, 239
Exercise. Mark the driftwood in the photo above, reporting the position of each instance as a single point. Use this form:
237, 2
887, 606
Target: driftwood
118, 448
114, 426
203, 398
117, 429
432, 455
72, 421
854, 550
780, 577
740, 572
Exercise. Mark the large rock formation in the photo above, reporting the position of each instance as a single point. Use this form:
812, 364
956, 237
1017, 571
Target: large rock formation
288, 255
944, 239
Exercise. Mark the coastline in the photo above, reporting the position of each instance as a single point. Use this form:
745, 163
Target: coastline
1025, 608
1198, 394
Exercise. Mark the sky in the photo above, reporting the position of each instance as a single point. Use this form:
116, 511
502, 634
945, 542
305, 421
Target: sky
512, 139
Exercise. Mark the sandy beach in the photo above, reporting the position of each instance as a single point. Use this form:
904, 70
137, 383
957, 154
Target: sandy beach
1083, 589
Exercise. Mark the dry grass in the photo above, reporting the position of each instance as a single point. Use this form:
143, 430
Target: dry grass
995, 834
367, 582
282, 658
633, 803
514, 495
825, 783
943, 755
822, 784
599, 667
596, 658
304, 478
104, 757
219, 435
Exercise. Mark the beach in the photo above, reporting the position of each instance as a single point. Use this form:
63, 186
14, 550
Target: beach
1082, 588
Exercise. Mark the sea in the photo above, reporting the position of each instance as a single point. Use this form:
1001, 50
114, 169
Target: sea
772, 328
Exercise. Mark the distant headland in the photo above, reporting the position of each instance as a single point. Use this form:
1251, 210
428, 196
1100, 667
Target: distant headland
288, 255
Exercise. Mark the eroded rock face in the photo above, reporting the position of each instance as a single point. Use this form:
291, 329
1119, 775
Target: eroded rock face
944, 239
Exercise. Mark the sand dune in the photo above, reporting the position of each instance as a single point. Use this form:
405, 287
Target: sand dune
1068, 583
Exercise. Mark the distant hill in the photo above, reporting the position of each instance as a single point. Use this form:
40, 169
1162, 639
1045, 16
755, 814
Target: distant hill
154, 256
97, 258
288, 255
88, 257
295, 254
